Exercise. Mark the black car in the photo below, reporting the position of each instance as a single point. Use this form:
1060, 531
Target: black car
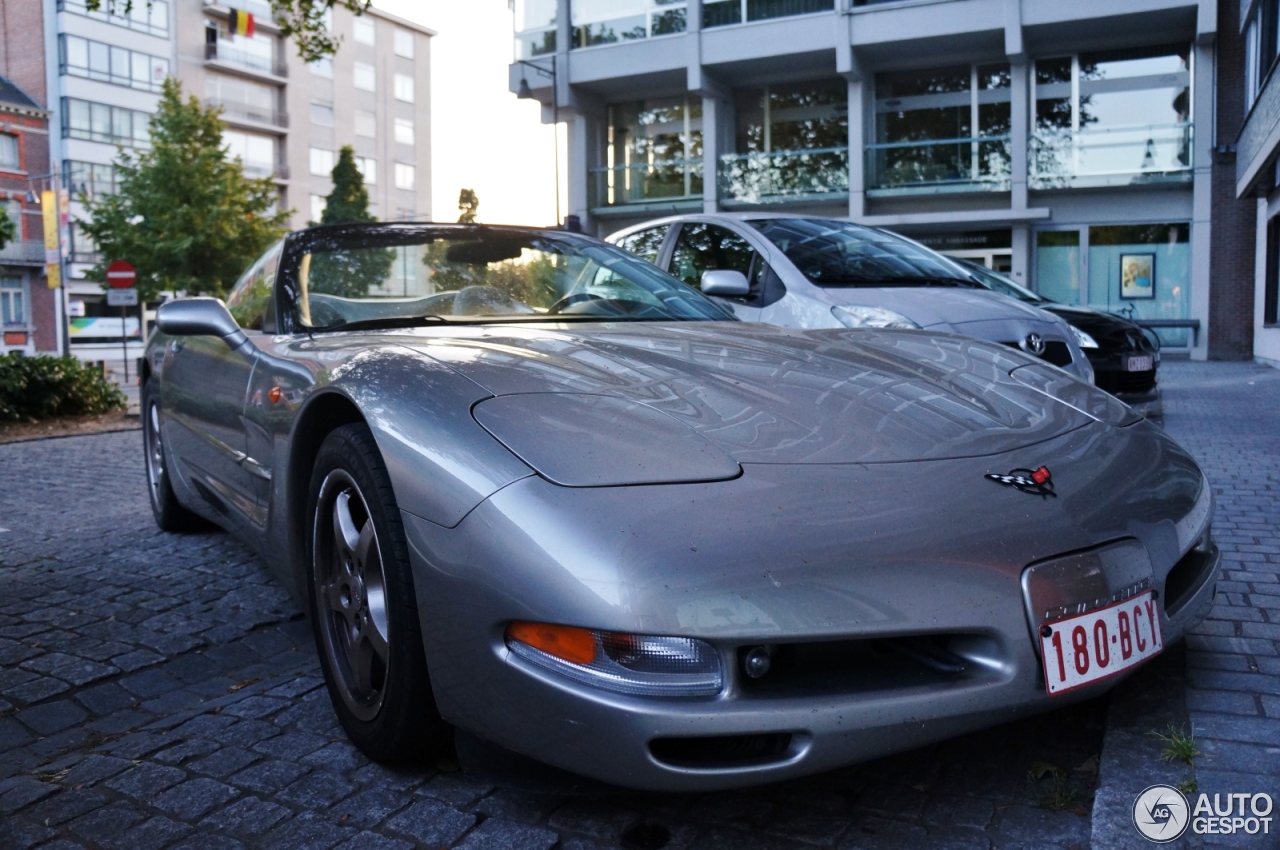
1124, 355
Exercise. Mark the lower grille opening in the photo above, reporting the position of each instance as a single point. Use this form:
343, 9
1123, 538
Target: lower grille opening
1125, 382
1189, 575
872, 665
1056, 353
722, 750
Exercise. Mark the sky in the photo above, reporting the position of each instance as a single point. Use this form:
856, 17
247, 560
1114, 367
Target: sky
482, 136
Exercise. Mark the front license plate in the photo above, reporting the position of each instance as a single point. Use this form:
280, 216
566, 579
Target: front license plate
1089, 647
1140, 363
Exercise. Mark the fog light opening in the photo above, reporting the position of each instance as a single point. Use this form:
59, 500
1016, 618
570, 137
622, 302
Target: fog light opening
757, 660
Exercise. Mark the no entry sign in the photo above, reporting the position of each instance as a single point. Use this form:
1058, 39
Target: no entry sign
121, 275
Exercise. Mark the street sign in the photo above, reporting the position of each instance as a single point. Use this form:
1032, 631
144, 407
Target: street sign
121, 275
122, 298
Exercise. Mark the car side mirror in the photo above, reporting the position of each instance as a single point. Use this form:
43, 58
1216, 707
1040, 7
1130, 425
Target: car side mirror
725, 282
203, 316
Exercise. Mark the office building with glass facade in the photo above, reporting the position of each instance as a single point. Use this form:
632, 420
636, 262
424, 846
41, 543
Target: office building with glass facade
1067, 144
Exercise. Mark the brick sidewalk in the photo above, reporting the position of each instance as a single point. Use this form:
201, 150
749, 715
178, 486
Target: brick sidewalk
1228, 416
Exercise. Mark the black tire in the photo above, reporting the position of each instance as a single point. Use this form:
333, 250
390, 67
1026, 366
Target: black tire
363, 609
169, 513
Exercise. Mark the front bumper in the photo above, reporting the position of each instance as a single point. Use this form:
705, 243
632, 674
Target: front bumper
853, 555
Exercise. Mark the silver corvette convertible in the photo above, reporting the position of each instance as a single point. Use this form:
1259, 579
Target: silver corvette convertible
531, 487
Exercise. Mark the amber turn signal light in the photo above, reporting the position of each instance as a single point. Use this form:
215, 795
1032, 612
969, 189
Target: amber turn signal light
568, 643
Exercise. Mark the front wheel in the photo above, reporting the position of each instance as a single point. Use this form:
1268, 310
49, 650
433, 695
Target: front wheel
169, 513
363, 607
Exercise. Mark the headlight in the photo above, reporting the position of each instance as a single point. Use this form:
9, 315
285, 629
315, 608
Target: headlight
1086, 398
645, 665
870, 317
1083, 338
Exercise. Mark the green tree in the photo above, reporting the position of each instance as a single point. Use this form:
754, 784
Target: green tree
302, 20
349, 273
8, 229
468, 204
184, 215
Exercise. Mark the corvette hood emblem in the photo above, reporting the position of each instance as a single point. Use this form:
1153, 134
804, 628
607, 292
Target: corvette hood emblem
1037, 482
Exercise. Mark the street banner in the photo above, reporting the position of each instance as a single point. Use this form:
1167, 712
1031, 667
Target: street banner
52, 247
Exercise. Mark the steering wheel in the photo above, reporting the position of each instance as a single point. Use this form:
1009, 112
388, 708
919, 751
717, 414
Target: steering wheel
571, 299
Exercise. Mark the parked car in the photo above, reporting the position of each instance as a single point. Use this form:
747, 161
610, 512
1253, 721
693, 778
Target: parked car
1125, 356
531, 486
810, 272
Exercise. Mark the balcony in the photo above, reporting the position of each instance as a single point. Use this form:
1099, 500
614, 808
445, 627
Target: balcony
243, 60
255, 116
661, 184
935, 166
1111, 156
781, 176
260, 9
27, 252
259, 170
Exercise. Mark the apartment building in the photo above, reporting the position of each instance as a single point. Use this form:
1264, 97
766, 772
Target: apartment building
1068, 144
1249, 130
287, 119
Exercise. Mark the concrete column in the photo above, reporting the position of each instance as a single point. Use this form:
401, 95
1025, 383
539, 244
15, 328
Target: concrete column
578, 127
860, 131
564, 27
1021, 271
1019, 130
1202, 196
713, 144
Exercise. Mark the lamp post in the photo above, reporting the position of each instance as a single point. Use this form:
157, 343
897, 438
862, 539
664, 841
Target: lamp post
526, 93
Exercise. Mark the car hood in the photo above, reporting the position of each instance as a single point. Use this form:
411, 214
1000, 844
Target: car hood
946, 308
753, 393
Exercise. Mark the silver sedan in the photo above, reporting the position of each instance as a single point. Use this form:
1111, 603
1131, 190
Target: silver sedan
532, 487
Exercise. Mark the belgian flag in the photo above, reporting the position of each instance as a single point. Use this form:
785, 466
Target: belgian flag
241, 23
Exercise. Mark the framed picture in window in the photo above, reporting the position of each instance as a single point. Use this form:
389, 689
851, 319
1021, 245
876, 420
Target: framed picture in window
1137, 276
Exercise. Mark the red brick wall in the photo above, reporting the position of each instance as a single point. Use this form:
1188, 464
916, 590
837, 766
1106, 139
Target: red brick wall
1233, 221
22, 45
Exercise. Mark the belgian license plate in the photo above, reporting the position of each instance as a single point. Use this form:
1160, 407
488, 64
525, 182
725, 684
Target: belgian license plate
1140, 363
1087, 648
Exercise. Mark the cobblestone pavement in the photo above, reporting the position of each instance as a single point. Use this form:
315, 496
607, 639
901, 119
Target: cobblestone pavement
161, 690
1228, 416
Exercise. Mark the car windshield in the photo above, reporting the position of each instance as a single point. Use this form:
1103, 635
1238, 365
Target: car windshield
997, 282
406, 275
837, 253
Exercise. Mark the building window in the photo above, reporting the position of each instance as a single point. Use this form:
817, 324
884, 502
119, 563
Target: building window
368, 169
318, 203
406, 176
9, 151
257, 53
718, 13
404, 43
151, 17
625, 20
535, 28
366, 124
1271, 295
13, 302
1112, 118
404, 88
654, 151
321, 162
363, 29
12, 209
98, 122
404, 131
941, 128
322, 114
107, 63
1261, 47
792, 142
322, 67
88, 178
364, 77
243, 98
257, 153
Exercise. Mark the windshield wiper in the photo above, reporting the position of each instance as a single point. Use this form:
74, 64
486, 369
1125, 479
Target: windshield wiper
929, 280
384, 323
